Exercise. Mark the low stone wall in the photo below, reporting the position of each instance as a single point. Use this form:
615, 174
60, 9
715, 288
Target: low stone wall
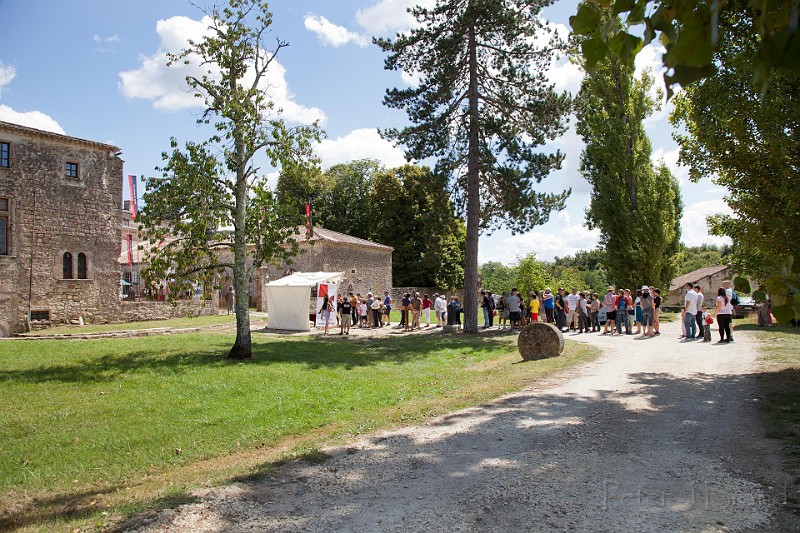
146, 310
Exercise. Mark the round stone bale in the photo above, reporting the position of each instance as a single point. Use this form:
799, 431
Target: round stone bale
539, 340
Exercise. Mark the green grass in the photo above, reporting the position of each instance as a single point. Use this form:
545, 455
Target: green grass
194, 322
779, 384
86, 422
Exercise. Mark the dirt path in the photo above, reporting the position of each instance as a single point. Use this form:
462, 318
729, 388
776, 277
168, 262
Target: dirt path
656, 435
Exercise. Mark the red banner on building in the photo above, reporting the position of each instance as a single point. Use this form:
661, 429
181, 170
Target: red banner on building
132, 186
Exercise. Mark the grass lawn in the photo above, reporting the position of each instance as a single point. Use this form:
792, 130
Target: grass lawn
779, 383
114, 425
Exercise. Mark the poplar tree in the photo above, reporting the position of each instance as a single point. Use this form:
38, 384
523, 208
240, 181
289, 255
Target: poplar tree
636, 207
212, 210
482, 107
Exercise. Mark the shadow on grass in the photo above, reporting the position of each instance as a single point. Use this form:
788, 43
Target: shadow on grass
210, 351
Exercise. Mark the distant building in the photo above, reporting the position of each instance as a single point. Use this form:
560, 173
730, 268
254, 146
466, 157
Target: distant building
709, 278
367, 265
59, 227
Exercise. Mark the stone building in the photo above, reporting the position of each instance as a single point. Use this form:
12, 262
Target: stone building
59, 227
709, 278
367, 265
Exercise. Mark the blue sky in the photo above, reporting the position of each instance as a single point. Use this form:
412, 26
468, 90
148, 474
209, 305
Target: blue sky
95, 69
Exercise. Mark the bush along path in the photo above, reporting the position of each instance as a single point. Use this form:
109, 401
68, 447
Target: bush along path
656, 435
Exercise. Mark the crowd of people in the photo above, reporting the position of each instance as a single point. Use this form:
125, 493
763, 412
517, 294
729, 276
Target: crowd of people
373, 311
567, 310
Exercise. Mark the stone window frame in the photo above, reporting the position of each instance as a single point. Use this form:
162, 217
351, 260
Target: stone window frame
72, 170
67, 265
75, 271
5, 215
5, 154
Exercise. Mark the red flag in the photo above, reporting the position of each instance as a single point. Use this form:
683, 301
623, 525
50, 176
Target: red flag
308, 220
323, 290
130, 248
132, 186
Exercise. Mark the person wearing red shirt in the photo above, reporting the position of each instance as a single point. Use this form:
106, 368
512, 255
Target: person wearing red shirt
426, 310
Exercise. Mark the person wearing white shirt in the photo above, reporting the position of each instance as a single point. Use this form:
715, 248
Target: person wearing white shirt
699, 316
690, 312
572, 308
439, 307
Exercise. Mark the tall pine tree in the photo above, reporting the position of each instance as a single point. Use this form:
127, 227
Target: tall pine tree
482, 107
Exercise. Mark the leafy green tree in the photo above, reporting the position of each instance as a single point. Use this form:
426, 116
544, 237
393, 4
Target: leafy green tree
691, 258
748, 142
344, 205
690, 31
531, 275
636, 207
482, 107
497, 277
214, 184
410, 210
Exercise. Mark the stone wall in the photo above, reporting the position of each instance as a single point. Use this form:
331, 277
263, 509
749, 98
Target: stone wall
76, 215
146, 310
708, 286
365, 269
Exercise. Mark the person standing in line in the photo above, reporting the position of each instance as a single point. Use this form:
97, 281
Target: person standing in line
229, 297
438, 309
353, 309
426, 310
514, 309
610, 303
533, 306
689, 312
637, 304
572, 308
561, 309
502, 311
376, 312
387, 303
733, 298
700, 308
487, 309
622, 313
405, 308
325, 311
345, 312
364, 312
416, 309
724, 314
583, 313
549, 304
648, 311
656, 310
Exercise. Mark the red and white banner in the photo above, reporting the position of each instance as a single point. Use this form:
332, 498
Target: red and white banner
129, 238
134, 200
331, 290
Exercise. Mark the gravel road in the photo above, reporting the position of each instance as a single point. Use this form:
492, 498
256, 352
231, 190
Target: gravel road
656, 435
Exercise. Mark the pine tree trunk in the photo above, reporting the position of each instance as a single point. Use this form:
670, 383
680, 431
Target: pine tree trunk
473, 197
242, 348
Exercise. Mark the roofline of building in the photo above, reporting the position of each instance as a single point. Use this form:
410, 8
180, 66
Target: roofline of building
25, 130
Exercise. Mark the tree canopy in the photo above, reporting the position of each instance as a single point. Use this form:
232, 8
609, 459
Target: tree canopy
212, 203
747, 141
481, 108
636, 207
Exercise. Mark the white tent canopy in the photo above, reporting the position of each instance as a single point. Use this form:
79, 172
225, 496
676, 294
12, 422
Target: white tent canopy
288, 299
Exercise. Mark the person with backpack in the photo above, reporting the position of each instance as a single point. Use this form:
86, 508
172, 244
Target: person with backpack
622, 313
733, 298
502, 311
487, 303
648, 311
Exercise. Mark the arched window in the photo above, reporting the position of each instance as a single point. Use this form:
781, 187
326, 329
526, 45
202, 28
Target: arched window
82, 269
66, 264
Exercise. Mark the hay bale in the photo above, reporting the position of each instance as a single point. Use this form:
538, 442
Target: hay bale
539, 340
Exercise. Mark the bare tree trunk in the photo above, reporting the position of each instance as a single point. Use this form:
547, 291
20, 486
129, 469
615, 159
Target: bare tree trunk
241, 348
473, 197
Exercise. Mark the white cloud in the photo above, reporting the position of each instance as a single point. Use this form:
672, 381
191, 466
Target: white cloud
389, 17
166, 86
109, 39
331, 34
670, 158
566, 75
694, 228
7, 73
568, 240
32, 119
363, 143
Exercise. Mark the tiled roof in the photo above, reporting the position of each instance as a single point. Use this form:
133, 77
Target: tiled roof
33, 132
695, 276
327, 235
